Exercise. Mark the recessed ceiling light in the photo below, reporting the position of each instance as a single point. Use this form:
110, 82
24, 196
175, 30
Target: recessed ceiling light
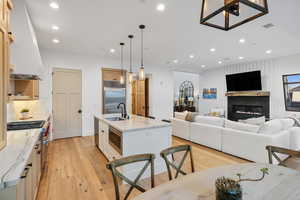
55, 28
192, 56
56, 41
112, 50
242, 40
175, 61
203, 66
212, 49
269, 51
161, 7
220, 62
241, 57
54, 5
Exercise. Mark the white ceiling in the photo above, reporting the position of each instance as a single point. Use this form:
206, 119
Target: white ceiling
95, 26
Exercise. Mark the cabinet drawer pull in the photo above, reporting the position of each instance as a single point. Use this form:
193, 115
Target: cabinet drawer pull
24, 174
29, 165
39, 152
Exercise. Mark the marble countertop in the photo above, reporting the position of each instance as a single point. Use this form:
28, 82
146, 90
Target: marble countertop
16, 153
281, 184
135, 123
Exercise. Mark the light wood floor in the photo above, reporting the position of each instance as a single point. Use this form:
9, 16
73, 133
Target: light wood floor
77, 169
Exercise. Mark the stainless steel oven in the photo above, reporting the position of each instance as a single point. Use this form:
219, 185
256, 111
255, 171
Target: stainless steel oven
116, 139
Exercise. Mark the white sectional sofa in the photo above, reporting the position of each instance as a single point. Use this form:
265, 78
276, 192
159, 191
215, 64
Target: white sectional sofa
239, 139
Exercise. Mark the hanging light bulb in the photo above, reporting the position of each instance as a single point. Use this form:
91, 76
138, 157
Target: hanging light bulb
122, 79
142, 69
130, 74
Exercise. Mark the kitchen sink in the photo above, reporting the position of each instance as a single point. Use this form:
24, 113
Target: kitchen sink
115, 119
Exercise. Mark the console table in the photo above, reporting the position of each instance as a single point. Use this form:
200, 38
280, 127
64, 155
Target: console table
184, 108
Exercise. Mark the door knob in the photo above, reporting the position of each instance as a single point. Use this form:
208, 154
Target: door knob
79, 111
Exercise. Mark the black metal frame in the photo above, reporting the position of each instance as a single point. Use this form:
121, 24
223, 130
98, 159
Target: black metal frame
287, 108
226, 8
186, 85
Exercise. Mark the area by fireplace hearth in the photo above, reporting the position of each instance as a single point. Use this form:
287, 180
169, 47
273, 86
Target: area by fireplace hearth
244, 107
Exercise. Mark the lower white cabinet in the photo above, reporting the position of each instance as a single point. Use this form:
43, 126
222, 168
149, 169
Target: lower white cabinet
103, 136
104, 145
27, 186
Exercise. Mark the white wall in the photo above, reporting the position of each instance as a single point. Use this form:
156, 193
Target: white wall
161, 86
180, 77
272, 71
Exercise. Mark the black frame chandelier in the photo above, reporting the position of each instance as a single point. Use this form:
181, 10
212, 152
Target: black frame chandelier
229, 14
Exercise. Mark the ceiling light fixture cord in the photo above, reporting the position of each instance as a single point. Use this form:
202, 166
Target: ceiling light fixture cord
142, 27
122, 45
130, 36
142, 46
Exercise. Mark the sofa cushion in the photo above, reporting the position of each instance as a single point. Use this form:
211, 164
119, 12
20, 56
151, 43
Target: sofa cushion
254, 121
216, 121
287, 123
241, 126
271, 127
181, 115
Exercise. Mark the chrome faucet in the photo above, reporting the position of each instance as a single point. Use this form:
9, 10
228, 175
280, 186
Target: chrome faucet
123, 108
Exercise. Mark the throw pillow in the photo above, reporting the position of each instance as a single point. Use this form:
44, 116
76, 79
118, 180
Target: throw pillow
241, 126
254, 121
270, 127
189, 117
181, 115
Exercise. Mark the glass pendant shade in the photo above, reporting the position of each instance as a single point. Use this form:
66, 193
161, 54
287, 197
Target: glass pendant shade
142, 73
130, 77
122, 79
229, 14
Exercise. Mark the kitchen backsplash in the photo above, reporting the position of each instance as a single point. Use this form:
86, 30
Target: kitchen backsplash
36, 109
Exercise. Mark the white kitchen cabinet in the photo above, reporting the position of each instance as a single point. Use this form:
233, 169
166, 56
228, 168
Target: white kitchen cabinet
109, 152
27, 186
103, 137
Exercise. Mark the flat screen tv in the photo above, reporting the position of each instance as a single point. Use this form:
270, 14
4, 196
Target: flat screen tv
248, 81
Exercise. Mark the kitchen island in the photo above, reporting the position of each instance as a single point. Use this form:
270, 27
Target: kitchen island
137, 135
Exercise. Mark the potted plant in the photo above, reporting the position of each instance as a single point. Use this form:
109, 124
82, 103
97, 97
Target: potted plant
229, 189
25, 113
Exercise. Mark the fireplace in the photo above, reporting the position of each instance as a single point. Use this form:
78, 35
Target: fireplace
244, 107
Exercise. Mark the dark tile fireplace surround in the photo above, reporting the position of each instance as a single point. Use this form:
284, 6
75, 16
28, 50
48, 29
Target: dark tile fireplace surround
244, 107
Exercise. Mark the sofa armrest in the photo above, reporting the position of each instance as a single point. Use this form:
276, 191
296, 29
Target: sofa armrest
181, 128
295, 138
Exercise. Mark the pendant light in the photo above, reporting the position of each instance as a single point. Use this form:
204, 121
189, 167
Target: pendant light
122, 79
229, 14
142, 69
130, 74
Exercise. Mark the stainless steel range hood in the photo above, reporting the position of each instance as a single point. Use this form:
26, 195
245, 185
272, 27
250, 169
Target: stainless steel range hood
24, 77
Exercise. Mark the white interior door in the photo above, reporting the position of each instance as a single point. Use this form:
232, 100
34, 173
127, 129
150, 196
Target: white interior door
67, 119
